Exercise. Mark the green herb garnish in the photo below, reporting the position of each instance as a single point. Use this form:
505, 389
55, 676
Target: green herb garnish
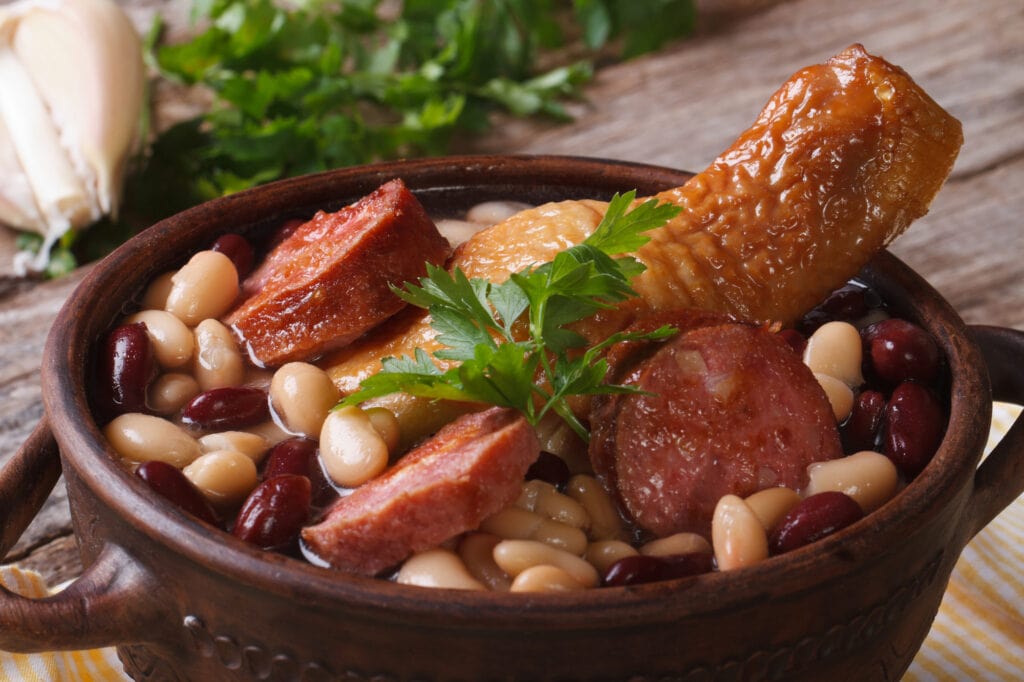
312, 85
538, 371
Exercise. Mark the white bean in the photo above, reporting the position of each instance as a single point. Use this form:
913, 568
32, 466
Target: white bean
544, 578
679, 543
173, 342
386, 424
144, 438
477, 552
771, 504
835, 349
205, 287
457, 231
603, 553
605, 522
868, 477
225, 477
351, 449
839, 395
544, 498
437, 568
515, 523
302, 395
515, 556
169, 392
558, 438
418, 418
252, 445
493, 212
737, 535
218, 362
155, 297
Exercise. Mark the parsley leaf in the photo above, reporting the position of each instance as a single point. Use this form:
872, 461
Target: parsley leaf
474, 319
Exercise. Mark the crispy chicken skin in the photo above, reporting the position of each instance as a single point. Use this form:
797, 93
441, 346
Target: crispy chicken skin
841, 160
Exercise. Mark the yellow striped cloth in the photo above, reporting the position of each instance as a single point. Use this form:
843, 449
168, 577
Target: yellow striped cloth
98, 665
978, 635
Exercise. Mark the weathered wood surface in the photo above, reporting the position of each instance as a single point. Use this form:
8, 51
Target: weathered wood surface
680, 108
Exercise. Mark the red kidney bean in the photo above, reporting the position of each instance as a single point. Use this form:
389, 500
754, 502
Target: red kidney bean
274, 512
633, 570
683, 565
846, 303
550, 469
900, 351
238, 249
125, 367
849, 303
227, 408
645, 568
812, 519
168, 482
913, 427
861, 430
291, 456
300, 456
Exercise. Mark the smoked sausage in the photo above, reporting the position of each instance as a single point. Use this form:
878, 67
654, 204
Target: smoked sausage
469, 470
725, 409
327, 282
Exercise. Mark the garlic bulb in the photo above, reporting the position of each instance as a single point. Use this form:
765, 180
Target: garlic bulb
71, 97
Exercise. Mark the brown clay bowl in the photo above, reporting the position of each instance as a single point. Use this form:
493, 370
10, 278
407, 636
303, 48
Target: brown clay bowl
182, 602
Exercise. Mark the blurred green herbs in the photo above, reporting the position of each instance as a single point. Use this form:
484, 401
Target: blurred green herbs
315, 85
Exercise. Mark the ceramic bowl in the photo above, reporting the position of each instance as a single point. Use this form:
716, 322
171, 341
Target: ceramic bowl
183, 602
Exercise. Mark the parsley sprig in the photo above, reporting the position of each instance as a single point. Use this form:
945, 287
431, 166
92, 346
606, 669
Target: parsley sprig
536, 371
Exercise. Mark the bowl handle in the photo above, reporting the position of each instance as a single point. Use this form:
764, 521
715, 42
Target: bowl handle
1000, 478
110, 602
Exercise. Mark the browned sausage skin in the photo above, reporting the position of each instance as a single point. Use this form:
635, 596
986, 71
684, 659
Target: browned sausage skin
327, 283
469, 470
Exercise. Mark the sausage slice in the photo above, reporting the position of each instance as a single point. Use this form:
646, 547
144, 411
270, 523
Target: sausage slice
727, 409
327, 283
469, 470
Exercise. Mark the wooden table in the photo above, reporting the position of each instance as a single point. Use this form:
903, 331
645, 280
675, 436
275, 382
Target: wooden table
680, 108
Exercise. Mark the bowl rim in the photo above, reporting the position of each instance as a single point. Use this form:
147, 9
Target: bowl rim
81, 444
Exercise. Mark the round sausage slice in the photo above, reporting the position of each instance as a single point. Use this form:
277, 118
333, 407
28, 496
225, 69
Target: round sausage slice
726, 409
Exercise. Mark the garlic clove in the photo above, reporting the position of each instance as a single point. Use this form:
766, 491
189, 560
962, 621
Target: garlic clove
17, 203
72, 91
59, 193
85, 60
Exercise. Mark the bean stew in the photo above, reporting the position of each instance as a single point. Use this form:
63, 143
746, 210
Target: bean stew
263, 452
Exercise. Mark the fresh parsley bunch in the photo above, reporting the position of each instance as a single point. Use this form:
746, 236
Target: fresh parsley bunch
476, 320
312, 85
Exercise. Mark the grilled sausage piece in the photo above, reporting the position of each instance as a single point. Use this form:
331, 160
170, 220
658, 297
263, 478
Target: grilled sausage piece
727, 409
327, 283
469, 470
